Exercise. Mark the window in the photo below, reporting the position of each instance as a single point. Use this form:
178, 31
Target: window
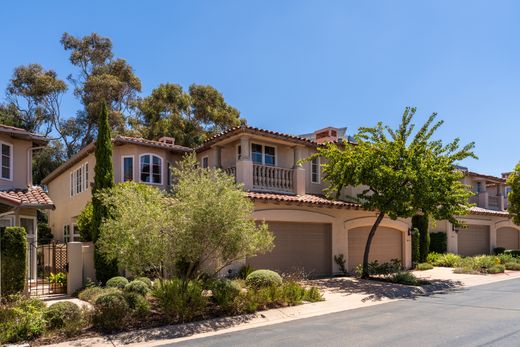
79, 180
239, 152
205, 162
66, 233
75, 233
151, 168
128, 169
315, 170
7, 161
263, 154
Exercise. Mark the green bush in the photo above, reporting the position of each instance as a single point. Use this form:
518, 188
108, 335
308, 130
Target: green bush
514, 252
292, 293
117, 282
180, 300
479, 264
446, 260
110, 311
507, 258
495, 269
424, 266
340, 261
374, 268
438, 242
64, 315
14, 260
421, 222
224, 293
90, 294
137, 286
513, 266
245, 271
406, 277
146, 280
313, 294
21, 319
263, 278
499, 250
415, 245
137, 303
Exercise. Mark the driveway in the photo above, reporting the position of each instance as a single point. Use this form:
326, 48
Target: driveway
485, 315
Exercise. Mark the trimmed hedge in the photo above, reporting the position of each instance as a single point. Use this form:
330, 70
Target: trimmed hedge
421, 222
438, 242
117, 282
14, 259
263, 278
137, 286
514, 252
415, 245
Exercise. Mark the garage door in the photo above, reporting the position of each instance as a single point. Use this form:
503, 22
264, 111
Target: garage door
386, 245
508, 238
298, 246
473, 240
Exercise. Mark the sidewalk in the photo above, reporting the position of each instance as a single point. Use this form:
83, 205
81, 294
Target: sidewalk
340, 294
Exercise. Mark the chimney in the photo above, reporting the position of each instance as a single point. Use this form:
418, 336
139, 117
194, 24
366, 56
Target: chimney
167, 140
329, 134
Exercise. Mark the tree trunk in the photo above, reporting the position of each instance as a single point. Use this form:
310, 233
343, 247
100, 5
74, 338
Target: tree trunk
379, 218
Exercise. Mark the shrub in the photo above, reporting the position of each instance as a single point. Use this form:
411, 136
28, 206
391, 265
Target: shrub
245, 271
495, 269
117, 282
14, 260
313, 294
137, 303
506, 258
64, 315
485, 261
137, 286
513, 266
110, 311
424, 266
21, 319
374, 268
499, 250
263, 278
406, 277
91, 294
224, 293
438, 242
180, 300
415, 245
421, 222
513, 252
340, 261
146, 280
446, 260
292, 293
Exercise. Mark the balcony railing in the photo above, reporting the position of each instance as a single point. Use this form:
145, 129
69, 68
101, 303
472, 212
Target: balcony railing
493, 202
232, 171
270, 178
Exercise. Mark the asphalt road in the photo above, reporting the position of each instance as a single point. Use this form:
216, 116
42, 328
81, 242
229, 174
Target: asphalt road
487, 315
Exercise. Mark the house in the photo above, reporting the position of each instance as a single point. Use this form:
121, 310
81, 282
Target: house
488, 224
133, 159
19, 199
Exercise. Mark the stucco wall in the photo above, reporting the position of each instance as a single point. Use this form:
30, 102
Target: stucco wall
20, 163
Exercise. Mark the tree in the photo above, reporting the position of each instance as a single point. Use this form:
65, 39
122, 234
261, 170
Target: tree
421, 222
103, 179
84, 222
402, 175
514, 195
190, 117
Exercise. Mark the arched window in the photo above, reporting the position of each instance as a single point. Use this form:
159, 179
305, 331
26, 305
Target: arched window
151, 169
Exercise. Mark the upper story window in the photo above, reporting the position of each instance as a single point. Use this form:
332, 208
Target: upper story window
265, 155
205, 162
315, 170
127, 167
151, 169
7, 161
79, 180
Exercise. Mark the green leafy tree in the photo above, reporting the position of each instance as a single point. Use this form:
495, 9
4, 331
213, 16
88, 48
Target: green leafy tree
402, 175
514, 196
84, 223
103, 179
189, 117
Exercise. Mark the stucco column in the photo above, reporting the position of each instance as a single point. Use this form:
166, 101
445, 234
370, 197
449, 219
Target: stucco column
492, 238
500, 196
483, 195
218, 157
244, 166
452, 238
299, 171
75, 273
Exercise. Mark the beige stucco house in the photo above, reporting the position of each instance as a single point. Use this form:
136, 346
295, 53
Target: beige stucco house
19, 199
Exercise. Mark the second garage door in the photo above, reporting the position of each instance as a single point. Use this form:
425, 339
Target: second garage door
508, 238
298, 246
473, 240
386, 245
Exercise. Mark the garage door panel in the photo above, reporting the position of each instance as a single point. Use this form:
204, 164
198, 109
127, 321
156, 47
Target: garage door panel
298, 246
473, 240
386, 245
508, 238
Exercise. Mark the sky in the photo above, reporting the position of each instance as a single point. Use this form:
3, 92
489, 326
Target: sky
298, 66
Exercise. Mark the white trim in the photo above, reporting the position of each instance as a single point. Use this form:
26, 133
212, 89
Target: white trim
319, 171
123, 157
263, 144
151, 163
73, 177
11, 218
202, 162
11, 155
290, 215
369, 221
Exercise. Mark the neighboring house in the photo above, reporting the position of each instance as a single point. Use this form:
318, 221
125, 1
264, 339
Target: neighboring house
19, 199
488, 224
133, 158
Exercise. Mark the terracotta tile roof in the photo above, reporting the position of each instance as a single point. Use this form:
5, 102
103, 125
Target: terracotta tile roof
256, 131
487, 177
141, 141
23, 134
307, 199
31, 197
486, 212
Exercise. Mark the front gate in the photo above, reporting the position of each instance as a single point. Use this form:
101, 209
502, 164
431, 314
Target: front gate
48, 267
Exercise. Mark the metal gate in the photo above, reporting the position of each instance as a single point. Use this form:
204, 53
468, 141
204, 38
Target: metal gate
48, 267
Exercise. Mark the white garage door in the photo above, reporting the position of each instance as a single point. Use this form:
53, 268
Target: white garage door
473, 240
386, 245
298, 246
508, 238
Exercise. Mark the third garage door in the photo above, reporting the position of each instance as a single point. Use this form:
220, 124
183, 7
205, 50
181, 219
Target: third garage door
508, 238
298, 246
473, 240
386, 245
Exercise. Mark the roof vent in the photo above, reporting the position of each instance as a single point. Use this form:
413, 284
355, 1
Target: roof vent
167, 140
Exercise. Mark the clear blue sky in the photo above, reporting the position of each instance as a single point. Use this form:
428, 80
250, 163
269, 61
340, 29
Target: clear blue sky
296, 66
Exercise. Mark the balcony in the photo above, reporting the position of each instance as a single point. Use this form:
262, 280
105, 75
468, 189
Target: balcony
273, 179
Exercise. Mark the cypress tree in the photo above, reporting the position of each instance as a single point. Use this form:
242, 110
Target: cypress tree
103, 179
421, 223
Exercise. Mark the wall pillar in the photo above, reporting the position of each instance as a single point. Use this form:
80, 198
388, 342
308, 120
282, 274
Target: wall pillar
244, 167
75, 273
492, 238
299, 171
483, 195
500, 196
